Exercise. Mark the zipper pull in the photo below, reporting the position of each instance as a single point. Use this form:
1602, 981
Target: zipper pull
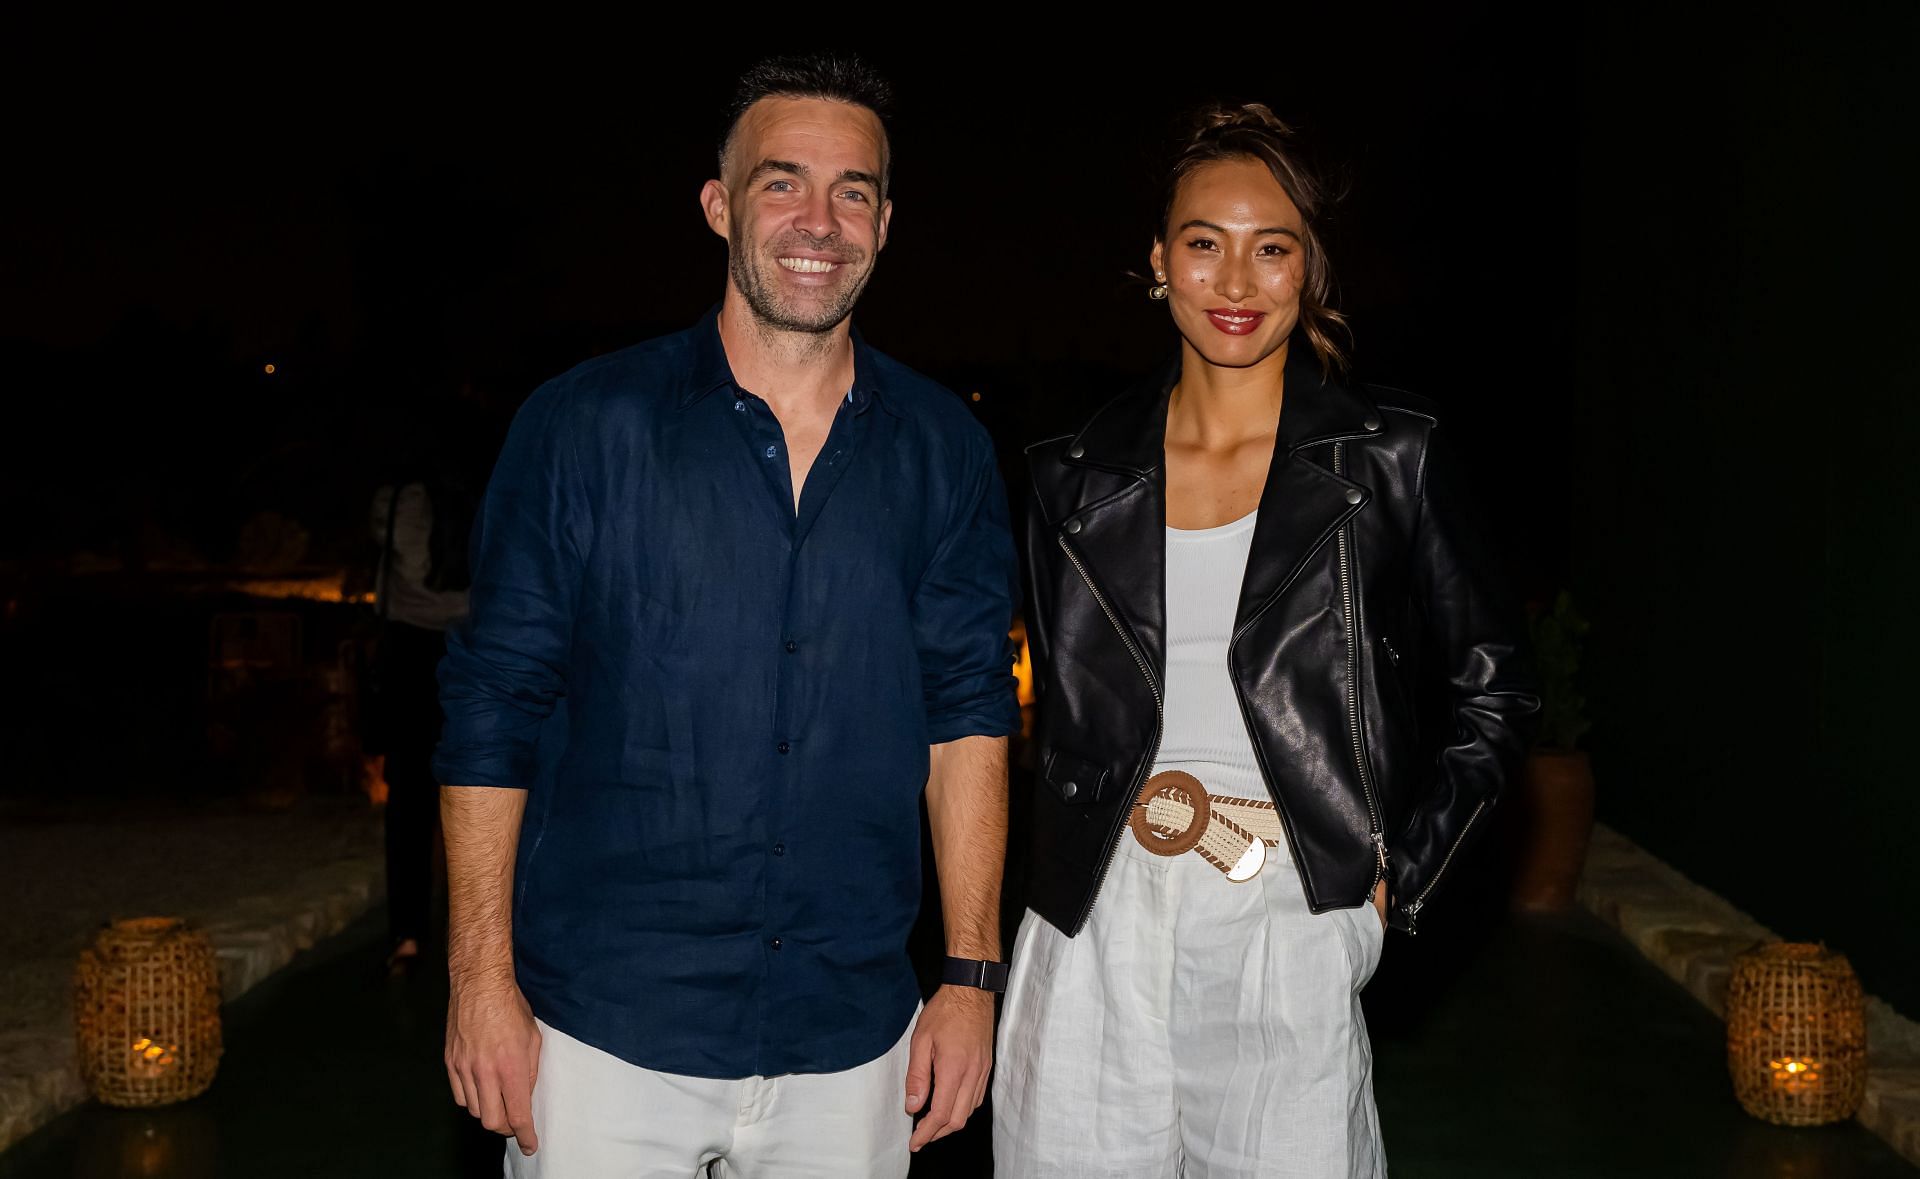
1413, 918
1393, 656
1380, 848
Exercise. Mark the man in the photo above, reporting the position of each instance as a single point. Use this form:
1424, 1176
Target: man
769, 573
420, 592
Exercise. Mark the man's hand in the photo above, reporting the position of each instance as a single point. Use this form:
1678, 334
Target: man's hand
493, 1058
1380, 902
949, 1061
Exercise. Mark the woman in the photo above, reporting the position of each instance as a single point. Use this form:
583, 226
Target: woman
1238, 569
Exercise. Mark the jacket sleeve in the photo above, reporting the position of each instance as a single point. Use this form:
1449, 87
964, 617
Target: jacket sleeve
1039, 550
1474, 633
506, 664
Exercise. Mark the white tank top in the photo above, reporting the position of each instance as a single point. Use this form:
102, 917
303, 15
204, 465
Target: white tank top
1204, 733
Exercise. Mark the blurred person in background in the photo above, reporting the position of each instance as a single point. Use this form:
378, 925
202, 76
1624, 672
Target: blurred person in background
420, 590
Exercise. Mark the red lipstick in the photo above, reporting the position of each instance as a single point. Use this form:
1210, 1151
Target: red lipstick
1235, 321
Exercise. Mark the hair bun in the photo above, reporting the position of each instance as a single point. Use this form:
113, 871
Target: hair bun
1218, 118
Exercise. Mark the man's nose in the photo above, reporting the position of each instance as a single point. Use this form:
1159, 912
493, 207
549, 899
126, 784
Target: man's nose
817, 217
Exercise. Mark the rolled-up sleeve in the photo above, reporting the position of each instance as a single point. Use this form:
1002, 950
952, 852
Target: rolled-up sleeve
506, 665
963, 613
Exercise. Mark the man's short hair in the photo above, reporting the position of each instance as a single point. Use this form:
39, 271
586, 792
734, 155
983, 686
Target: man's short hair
837, 77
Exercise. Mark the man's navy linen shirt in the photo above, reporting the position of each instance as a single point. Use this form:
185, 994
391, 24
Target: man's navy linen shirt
721, 708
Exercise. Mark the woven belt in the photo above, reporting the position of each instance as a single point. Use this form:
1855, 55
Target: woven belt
1174, 814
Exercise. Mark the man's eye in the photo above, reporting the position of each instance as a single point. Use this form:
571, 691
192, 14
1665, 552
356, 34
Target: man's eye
780, 186
854, 194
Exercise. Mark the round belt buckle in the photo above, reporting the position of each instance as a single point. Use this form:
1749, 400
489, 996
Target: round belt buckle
1174, 786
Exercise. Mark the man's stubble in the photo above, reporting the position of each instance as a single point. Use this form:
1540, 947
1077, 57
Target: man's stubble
747, 266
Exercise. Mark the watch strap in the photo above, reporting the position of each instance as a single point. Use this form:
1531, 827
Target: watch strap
972, 972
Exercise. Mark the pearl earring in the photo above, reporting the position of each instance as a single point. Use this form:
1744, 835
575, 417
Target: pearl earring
1159, 292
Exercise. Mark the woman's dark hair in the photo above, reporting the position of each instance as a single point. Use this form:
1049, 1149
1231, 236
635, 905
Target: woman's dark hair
1253, 132
832, 76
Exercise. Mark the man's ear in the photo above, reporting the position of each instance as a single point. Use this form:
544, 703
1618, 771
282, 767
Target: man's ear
713, 202
886, 219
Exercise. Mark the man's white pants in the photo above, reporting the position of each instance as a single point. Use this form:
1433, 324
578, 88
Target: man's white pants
598, 1116
1196, 1027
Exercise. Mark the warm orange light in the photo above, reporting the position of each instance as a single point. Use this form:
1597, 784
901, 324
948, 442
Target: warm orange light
1794, 1075
1023, 666
312, 589
150, 1056
976, 396
270, 370
373, 779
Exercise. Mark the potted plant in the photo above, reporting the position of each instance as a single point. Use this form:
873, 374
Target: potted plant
1556, 786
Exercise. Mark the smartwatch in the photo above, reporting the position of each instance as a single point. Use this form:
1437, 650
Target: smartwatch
972, 972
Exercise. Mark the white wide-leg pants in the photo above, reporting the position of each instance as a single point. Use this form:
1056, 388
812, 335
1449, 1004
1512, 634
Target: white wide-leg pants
599, 1117
1195, 1027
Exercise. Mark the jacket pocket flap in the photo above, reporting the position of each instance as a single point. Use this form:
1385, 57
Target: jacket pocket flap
1075, 780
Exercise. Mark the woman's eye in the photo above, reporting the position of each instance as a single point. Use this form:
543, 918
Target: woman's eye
1201, 243
1273, 251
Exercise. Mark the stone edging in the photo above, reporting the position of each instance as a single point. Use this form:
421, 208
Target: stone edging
1693, 935
39, 1074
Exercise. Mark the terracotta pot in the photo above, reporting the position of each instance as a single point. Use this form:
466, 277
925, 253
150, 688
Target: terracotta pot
1556, 823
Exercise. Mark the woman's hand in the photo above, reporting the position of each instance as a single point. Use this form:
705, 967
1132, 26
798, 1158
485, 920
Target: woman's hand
1380, 902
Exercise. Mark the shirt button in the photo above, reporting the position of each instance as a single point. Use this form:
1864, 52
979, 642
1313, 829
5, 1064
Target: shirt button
739, 407
772, 450
783, 747
775, 943
779, 849
792, 646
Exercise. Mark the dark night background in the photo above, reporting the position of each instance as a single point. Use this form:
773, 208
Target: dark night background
1656, 268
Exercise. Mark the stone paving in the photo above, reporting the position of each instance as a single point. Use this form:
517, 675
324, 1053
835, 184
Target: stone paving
268, 885
264, 885
1693, 935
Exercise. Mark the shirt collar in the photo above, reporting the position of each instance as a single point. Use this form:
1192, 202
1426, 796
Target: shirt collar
709, 369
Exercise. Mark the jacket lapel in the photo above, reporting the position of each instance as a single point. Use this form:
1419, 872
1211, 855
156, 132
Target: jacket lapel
1303, 502
1118, 531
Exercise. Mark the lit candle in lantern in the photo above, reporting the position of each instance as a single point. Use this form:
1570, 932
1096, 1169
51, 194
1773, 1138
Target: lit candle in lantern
1794, 1074
150, 1057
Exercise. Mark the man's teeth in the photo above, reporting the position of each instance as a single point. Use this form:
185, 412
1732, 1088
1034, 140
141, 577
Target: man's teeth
807, 265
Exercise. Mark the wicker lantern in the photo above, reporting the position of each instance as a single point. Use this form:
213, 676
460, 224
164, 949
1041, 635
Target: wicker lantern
1796, 1034
146, 1005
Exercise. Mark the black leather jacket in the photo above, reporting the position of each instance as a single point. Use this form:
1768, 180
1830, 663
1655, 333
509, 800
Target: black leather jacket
1366, 568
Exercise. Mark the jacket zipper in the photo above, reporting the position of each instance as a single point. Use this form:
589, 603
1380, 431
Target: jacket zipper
1413, 910
1159, 724
1374, 831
